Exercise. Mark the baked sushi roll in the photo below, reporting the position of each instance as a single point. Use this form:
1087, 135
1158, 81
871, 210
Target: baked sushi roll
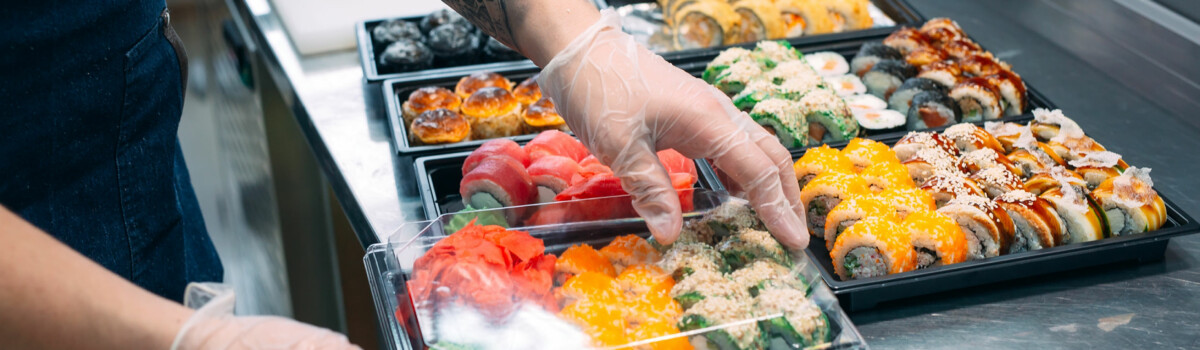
870, 54
760, 20
718, 311
454, 44
846, 85
936, 239
1036, 223
764, 275
739, 74
405, 55
901, 99
849, 15
997, 181
439, 126
802, 324
1096, 167
468, 85
442, 17
969, 137
871, 248
1130, 203
988, 228
940, 30
783, 119
493, 112
496, 51
905, 201
748, 245
1080, 215
962, 48
552, 174
1012, 89
1055, 177
725, 59
427, 99
946, 73
977, 100
387, 32
821, 160
541, 116
804, 17
915, 141
528, 91
927, 162
981, 64
887, 175
497, 182
878, 121
703, 24
851, 211
862, 153
824, 193
828, 63
684, 259
906, 40
924, 56
706, 284
829, 120
987, 158
887, 76
944, 187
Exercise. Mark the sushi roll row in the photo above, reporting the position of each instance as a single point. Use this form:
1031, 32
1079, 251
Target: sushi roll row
482, 105
442, 38
693, 24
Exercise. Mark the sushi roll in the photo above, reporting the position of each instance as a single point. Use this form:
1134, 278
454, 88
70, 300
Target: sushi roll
684, 259
850, 15
940, 30
1080, 215
703, 24
887, 76
987, 158
471, 83
718, 311
1006, 133
870, 54
759, 90
927, 162
871, 248
760, 20
722, 62
694, 231
764, 275
847, 85
827, 63
997, 181
737, 76
493, 149
946, 73
901, 99
783, 119
969, 137
1036, 223
906, 40
977, 100
862, 153
793, 70
944, 187
1012, 89
829, 120
981, 65
541, 116
496, 51
497, 182
878, 121
884, 176
1056, 177
1096, 167
802, 324
820, 160
824, 193
748, 245
988, 228
962, 48
771, 54
443, 17
582, 258
905, 201
555, 143
427, 99
392, 30
493, 112
915, 141
405, 55
454, 45
851, 211
706, 284
932, 109
936, 239
732, 217
439, 126
1047, 123
804, 17
552, 174
1130, 203
630, 250
865, 102
924, 56
528, 91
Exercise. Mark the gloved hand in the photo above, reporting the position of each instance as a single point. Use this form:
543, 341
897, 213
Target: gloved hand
214, 326
624, 102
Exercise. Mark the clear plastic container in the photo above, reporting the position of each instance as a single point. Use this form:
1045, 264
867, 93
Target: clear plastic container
524, 324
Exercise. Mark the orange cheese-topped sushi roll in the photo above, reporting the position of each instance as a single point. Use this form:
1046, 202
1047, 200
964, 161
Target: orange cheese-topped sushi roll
603, 321
906, 201
1055, 178
988, 229
986, 158
629, 250
1037, 224
915, 141
590, 286
888, 175
583, 258
864, 152
997, 181
644, 278
662, 329
936, 239
825, 192
852, 210
493, 112
468, 85
528, 92
427, 99
819, 160
968, 137
1130, 203
871, 248
943, 187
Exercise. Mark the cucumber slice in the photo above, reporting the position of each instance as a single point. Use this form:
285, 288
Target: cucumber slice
1105, 231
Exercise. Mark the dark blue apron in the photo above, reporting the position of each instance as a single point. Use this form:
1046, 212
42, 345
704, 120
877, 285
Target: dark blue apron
90, 98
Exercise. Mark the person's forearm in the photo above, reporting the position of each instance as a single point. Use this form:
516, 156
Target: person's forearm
51, 297
538, 29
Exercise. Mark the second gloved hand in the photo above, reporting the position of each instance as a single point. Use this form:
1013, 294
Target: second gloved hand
625, 102
214, 326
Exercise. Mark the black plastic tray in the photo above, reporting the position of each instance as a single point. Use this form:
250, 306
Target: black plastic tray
438, 178
368, 55
866, 293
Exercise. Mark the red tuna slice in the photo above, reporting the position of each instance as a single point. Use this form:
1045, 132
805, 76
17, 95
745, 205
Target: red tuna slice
676, 162
501, 177
493, 148
555, 143
554, 173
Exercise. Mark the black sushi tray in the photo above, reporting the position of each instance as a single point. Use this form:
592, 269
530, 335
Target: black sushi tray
372, 73
438, 177
862, 294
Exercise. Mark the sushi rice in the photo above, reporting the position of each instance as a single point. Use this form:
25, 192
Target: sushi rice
847, 85
828, 64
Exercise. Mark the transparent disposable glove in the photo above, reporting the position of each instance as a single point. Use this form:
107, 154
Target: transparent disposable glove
214, 326
624, 102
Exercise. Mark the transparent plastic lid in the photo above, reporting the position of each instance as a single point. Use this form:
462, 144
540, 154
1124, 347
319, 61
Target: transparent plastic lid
586, 274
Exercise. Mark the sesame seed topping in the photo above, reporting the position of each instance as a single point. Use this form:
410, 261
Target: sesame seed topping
1017, 196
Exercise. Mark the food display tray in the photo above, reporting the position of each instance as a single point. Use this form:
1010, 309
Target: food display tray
438, 178
368, 56
862, 294
389, 266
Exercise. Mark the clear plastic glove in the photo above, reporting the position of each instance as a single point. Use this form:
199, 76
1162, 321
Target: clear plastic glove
214, 326
624, 102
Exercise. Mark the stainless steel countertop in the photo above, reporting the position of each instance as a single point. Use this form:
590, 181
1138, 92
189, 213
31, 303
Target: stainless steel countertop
1128, 80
